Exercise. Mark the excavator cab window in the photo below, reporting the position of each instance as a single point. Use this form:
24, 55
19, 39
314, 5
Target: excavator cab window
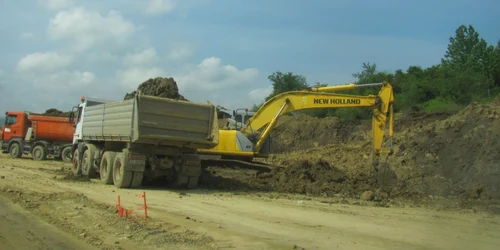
238, 118
247, 117
242, 119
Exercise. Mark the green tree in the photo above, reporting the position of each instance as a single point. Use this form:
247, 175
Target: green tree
467, 51
469, 71
286, 82
255, 107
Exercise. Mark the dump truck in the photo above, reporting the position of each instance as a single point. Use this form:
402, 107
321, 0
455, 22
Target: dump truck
145, 138
38, 135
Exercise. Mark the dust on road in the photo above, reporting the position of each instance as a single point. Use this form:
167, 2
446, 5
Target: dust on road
208, 219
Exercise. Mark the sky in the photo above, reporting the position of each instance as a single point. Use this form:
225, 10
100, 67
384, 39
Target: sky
52, 52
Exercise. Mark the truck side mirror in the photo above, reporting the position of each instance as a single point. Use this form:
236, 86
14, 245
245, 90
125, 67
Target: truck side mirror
71, 117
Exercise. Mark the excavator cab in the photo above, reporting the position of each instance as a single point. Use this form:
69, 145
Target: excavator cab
236, 121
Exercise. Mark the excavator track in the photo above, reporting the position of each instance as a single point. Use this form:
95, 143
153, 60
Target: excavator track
237, 164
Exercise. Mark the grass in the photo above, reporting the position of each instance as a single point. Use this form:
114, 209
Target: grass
441, 105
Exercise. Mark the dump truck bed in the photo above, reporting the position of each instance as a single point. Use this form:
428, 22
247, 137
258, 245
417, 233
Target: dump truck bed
153, 120
51, 128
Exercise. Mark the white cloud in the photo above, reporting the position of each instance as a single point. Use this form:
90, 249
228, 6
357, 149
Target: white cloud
86, 29
180, 52
55, 4
145, 57
102, 57
132, 77
61, 89
27, 35
63, 80
258, 95
211, 75
156, 7
43, 61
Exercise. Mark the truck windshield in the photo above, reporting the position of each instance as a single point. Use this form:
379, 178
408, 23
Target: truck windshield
11, 119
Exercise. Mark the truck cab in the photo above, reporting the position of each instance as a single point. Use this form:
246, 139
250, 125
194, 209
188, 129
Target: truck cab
78, 113
39, 135
14, 130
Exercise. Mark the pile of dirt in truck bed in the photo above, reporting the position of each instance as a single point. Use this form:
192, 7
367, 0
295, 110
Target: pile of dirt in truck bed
55, 112
160, 86
437, 155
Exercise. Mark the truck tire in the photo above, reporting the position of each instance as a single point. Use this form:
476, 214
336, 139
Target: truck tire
121, 177
66, 154
137, 179
106, 167
192, 182
15, 150
39, 153
186, 182
87, 163
77, 168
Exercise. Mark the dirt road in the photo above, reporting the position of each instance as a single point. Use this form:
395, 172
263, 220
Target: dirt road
21, 230
206, 219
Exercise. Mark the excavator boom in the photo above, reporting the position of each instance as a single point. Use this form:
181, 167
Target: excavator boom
267, 116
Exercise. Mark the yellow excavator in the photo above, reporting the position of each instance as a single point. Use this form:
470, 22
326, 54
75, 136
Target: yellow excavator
248, 137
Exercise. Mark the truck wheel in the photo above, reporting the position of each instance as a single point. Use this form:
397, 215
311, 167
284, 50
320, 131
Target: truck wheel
106, 167
87, 163
39, 153
184, 181
137, 179
192, 182
121, 177
77, 168
15, 150
66, 154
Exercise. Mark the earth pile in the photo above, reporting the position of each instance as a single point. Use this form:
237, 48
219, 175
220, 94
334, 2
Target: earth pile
160, 86
56, 113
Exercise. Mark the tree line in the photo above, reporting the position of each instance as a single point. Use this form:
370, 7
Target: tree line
468, 72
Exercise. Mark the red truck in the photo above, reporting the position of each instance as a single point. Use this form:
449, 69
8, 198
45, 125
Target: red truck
38, 135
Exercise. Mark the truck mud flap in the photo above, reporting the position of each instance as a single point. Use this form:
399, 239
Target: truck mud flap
190, 165
134, 162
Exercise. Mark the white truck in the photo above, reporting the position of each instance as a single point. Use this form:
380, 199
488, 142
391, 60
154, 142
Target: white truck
143, 138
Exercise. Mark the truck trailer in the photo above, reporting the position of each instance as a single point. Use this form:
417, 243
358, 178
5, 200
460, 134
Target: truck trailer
38, 135
143, 138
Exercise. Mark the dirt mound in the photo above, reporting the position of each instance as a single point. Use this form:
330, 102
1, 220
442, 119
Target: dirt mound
437, 154
301, 132
160, 86
55, 112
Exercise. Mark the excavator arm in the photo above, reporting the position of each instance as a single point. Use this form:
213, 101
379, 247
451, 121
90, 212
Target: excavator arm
316, 98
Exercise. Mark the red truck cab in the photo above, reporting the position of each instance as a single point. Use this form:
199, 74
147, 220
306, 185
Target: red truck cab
16, 125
